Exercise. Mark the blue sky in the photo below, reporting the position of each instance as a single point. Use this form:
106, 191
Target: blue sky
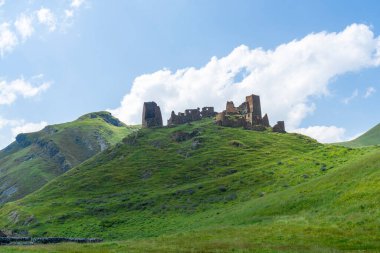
314, 63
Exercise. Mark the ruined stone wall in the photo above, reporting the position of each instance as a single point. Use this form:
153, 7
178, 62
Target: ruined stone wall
208, 112
279, 127
191, 115
247, 115
230, 107
266, 121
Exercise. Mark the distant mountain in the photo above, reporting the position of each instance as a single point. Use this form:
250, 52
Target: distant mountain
370, 138
36, 158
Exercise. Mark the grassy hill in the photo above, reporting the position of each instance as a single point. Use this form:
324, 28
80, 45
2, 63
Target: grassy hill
36, 158
202, 187
372, 137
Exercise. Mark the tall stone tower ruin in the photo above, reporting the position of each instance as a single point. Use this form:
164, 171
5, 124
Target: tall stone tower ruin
151, 115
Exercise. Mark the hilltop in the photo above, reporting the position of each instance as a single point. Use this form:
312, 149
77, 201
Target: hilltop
203, 180
371, 137
36, 158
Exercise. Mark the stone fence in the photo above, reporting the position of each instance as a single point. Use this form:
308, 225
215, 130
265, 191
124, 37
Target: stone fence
45, 240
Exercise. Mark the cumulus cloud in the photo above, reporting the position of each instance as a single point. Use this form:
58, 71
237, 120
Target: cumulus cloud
288, 78
8, 39
369, 92
28, 128
46, 16
24, 25
347, 100
9, 91
7, 122
324, 134
16, 127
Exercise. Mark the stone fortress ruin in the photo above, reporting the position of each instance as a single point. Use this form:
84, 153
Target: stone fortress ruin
247, 115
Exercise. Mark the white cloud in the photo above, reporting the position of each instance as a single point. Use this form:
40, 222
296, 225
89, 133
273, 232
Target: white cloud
24, 25
7, 122
77, 3
9, 91
69, 13
347, 100
28, 128
16, 127
46, 16
8, 39
288, 78
324, 134
369, 92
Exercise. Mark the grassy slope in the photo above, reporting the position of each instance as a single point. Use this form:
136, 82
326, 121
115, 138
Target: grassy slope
238, 190
372, 137
37, 158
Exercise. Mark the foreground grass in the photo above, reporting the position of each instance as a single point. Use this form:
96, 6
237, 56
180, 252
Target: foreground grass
238, 191
252, 238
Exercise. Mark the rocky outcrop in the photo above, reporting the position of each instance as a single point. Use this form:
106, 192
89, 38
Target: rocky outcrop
151, 115
23, 140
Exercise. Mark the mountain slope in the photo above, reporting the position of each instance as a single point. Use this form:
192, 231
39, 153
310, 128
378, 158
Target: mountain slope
372, 137
36, 158
212, 179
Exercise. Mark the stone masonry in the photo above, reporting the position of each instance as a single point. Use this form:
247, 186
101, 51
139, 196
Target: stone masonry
247, 115
190, 115
151, 115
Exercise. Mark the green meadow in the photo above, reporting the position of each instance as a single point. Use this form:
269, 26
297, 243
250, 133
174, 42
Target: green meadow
204, 188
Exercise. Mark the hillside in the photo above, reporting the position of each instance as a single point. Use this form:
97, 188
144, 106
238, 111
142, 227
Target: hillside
36, 158
372, 137
203, 187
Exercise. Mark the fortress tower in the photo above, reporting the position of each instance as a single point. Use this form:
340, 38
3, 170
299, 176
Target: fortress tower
151, 115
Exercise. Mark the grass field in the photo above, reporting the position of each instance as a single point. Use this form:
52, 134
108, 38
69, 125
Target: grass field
36, 158
204, 188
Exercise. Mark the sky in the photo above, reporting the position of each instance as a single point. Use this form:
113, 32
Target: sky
315, 64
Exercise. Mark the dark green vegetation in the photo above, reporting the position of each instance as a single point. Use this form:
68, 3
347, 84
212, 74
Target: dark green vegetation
36, 158
206, 188
372, 137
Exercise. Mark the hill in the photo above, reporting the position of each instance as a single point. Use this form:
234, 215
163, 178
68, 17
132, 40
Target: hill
203, 187
372, 137
36, 158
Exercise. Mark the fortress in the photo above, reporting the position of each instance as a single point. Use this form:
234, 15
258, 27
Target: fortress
247, 115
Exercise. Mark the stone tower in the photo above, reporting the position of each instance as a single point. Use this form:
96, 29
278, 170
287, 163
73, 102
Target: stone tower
254, 106
151, 116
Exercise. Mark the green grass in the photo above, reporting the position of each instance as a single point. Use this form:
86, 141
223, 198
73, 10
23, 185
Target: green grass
221, 190
370, 138
41, 156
